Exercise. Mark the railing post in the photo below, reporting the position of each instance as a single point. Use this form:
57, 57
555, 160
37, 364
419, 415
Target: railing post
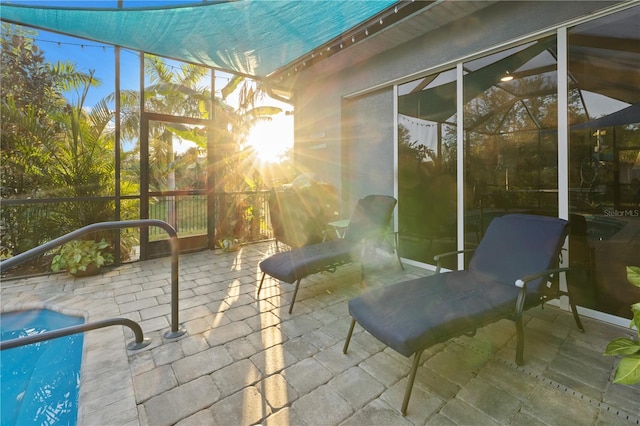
176, 331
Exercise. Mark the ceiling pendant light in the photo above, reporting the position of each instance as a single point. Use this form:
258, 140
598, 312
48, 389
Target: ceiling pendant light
506, 77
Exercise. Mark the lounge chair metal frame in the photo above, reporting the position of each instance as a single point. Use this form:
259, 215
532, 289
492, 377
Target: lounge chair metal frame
370, 220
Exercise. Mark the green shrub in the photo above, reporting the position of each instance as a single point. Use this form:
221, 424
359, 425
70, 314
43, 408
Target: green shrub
628, 370
77, 255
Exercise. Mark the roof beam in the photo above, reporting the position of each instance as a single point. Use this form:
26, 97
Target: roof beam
607, 43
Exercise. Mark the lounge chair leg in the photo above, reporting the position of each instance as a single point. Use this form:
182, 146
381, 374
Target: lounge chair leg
399, 260
576, 317
574, 311
519, 328
346, 343
295, 292
412, 378
520, 343
395, 243
261, 281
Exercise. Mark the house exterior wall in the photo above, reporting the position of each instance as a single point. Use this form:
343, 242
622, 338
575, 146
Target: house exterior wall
365, 148
369, 153
586, 57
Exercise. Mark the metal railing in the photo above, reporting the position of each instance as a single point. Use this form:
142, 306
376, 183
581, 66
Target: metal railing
139, 343
186, 211
175, 331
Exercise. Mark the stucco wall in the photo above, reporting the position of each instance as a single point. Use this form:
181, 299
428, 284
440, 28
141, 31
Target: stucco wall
364, 143
368, 168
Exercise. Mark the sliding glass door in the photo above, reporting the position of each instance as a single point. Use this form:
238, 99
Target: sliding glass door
515, 154
510, 128
427, 166
604, 158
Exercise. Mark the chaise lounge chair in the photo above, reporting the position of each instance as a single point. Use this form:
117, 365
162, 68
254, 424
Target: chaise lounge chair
513, 268
370, 220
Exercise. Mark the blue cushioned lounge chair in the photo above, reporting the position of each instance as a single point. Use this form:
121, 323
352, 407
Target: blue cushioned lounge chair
513, 268
370, 220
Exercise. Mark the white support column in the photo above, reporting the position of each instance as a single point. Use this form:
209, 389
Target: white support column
460, 161
563, 147
563, 126
395, 155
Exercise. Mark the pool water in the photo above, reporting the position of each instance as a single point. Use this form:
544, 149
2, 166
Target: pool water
40, 381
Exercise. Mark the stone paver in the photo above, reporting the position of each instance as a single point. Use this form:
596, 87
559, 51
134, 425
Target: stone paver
357, 387
322, 406
181, 402
246, 407
236, 376
553, 406
492, 401
154, 382
277, 392
245, 360
307, 375
205, 362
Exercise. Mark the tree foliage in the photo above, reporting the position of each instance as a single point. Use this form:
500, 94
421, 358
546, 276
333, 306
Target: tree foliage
28, 96
56, 146
51, 146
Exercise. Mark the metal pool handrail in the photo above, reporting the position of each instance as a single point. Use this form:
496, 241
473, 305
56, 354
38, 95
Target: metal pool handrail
175, 331
139, 343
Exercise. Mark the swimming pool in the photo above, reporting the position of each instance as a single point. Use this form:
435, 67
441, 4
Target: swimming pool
40, 381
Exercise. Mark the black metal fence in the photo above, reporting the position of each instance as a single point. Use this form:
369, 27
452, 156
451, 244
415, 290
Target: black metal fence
25, 224
186, 213
239, 215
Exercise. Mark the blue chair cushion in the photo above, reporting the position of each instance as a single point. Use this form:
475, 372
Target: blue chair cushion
416, 314
518, 245
290, 266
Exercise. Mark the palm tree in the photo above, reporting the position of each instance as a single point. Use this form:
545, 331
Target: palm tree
178, 91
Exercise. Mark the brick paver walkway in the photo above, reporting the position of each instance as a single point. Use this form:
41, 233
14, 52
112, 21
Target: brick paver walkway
246, 361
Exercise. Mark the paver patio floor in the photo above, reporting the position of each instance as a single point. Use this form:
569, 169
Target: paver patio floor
244, 360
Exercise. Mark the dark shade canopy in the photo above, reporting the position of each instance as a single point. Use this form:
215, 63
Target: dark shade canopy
439, 103
249, 37
602, 60
628, 115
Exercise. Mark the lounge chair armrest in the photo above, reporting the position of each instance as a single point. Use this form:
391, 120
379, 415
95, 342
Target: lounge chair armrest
522, 281
438, 257
522, 284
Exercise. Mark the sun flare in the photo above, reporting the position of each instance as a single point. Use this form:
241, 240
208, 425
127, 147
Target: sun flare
271, 139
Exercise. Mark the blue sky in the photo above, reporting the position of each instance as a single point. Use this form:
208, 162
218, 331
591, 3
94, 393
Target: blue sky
92, 56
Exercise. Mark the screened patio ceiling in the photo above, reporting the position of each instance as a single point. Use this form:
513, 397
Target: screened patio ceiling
611, 43
273, 38
256, 38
